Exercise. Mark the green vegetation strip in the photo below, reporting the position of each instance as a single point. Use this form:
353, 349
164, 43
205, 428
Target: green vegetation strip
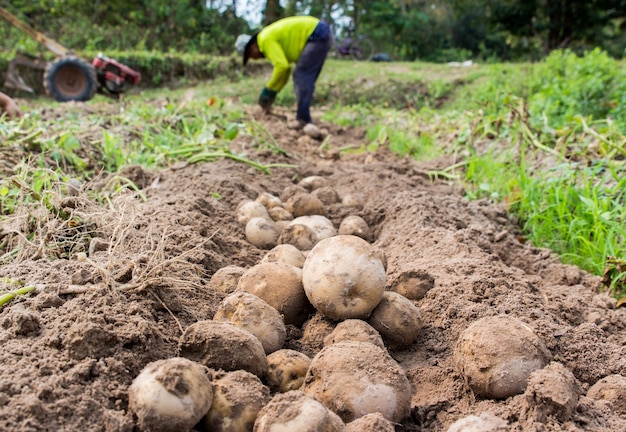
547, 140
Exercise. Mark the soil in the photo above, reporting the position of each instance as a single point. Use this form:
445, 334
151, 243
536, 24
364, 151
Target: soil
71, 350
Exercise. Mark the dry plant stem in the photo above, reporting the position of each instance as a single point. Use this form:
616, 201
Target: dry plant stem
168, 310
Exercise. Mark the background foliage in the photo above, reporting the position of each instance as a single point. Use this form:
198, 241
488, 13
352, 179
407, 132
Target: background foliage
434, 30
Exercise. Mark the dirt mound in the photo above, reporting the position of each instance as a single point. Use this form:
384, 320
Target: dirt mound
70, 352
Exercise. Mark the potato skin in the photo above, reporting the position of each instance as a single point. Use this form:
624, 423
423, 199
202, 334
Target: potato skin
280, 285
344, 277
356, 331
304, 205
358, 378
496, 356
321, 225
285, 253
170, 395
298, 235
356, 225
254, 315
238, 397
248, 209
220, 345
295, 411
226, 278
286, 370
262, 233
397, 320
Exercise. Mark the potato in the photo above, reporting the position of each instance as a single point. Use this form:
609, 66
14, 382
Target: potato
344, 277
327, 195
311, 183
297, 412
170, 395
412, 284
225, 279
374, 422
358, 378
280, 285
286, 369
285, 253
291, 191
254, 315
237, 399
304, 205
249, 209
486, 422
353, 200
496, 355
397, 320
321, 225
268, 200
355, 225
356, 331
280, 214
262, 233
300, 236
220, 345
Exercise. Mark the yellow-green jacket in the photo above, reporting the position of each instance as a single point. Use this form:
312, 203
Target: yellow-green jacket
281, 43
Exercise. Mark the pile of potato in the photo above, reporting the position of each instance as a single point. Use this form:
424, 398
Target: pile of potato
233, 372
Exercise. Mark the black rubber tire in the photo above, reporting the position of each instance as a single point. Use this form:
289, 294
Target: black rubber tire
70, 78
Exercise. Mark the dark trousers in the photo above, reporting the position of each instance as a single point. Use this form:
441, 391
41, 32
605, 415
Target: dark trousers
309, 67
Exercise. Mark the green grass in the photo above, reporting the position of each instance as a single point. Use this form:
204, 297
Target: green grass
520, 133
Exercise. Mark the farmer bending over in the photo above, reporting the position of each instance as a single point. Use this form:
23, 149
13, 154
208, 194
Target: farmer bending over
303, 40
8, 106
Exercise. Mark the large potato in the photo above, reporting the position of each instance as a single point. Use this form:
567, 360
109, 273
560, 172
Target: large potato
397, 320
296, 412
238, 397
280, 285
170, 395
344, 277
286, 370
220, 345
253, 314
358, 378
496, 356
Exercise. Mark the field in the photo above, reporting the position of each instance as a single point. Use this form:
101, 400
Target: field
116, 215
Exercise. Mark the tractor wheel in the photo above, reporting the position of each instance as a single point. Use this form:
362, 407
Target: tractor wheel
70, 79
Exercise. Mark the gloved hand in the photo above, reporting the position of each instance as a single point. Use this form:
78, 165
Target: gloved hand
266, 99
